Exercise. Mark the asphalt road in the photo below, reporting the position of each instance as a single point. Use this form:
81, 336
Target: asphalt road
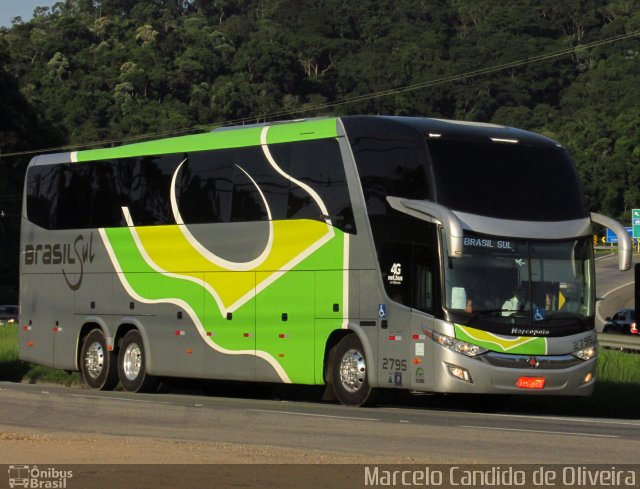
418, 434
614, 289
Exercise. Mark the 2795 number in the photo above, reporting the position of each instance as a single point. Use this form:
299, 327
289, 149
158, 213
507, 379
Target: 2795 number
583, 343
395, 364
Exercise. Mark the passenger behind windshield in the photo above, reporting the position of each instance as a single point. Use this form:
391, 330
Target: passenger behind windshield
517, 302
498, 283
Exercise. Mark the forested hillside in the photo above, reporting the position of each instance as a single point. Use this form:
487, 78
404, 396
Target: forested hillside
87, 72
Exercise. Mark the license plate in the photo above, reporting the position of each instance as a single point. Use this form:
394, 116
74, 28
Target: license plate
530, 383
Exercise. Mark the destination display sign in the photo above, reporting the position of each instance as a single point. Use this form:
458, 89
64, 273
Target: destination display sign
489, 243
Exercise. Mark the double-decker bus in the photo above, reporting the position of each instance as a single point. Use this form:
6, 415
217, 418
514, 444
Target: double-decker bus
359, 253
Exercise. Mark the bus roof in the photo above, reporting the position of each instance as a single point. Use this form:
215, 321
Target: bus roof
304, 129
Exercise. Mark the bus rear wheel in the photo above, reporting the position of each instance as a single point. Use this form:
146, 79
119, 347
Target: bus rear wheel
98, 364
132, 365
349, 375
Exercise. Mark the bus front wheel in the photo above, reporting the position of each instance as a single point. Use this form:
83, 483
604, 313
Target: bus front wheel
98, 364
349, 372
132, 365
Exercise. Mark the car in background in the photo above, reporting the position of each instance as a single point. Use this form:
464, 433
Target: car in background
623, 322
8, 314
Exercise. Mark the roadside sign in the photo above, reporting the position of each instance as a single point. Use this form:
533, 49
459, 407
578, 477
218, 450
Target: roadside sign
635, 223
612, 238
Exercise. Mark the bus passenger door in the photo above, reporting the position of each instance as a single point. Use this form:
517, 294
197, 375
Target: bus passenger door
410, 280
285, 327
394, 341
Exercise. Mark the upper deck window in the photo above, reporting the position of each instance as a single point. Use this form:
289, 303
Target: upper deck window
390, 166
212, 186
507, 181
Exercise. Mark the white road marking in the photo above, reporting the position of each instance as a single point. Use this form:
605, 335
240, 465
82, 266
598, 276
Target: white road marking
311, 415
605, 256
558, 418
544, 432
109, 398
529, 416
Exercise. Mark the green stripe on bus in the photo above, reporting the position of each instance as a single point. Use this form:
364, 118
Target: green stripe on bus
223, 139
516, 345
302, 131
294, 293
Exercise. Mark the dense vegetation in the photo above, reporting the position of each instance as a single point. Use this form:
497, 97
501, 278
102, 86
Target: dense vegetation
89, 71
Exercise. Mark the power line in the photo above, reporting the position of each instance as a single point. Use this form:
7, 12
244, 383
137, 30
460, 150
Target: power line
469, 74
344, 101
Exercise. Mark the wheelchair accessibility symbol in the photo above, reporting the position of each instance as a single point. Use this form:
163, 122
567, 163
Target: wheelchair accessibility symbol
382, 311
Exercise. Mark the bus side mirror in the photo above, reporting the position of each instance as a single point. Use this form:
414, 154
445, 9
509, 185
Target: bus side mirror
432, 212
625, 245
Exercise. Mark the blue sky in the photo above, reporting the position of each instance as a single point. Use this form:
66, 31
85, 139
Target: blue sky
20, 8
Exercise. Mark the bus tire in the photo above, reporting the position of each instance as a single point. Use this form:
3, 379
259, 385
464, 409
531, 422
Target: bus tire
132, 365
97, 364
348, 374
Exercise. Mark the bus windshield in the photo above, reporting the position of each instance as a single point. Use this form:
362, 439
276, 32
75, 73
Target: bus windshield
504, 282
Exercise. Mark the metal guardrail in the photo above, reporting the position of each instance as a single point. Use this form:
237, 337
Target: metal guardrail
619, 342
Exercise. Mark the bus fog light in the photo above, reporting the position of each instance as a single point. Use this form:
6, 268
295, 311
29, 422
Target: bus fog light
459, 373
586, 353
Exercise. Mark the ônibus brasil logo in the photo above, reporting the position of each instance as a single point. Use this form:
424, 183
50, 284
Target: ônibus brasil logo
33, 477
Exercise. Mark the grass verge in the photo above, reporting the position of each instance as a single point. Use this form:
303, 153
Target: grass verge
616, 393
15, 370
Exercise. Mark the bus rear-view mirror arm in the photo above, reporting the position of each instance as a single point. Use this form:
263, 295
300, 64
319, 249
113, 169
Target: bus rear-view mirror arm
625, 245
432, 212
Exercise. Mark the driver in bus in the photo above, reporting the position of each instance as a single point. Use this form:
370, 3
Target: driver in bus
517, 302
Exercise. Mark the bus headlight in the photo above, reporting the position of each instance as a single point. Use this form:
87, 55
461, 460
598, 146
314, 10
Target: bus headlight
458, 346
586, 353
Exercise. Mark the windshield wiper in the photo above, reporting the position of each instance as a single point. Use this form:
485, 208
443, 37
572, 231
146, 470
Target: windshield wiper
511, 312
560, 316
489, 312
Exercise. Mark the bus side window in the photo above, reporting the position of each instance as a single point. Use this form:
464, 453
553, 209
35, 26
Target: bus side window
150, 188
205, 186
110, 189
423, 279
42, 182
396, 267
246, 203
407, 274
319, 165
74, 198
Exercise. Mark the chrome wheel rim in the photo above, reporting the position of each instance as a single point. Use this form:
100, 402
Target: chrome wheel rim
94, 360
353, 370
132, 361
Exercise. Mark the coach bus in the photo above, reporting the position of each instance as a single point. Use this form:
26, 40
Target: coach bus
361, 253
